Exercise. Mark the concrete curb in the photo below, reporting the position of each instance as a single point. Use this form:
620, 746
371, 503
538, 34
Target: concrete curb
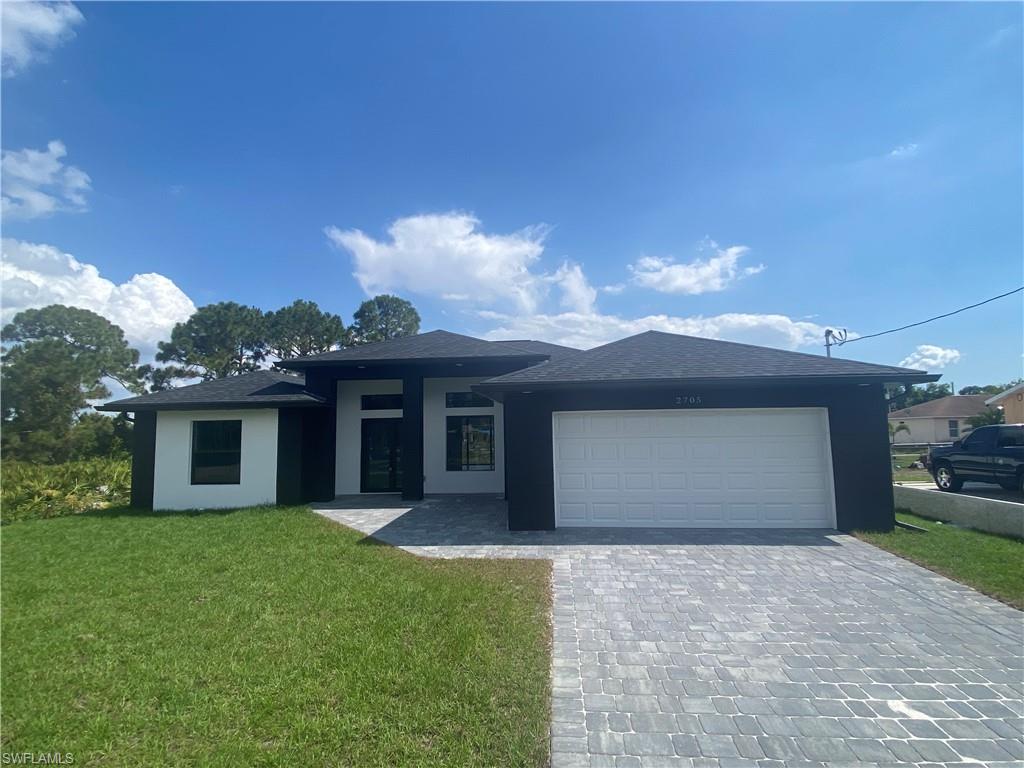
992, 515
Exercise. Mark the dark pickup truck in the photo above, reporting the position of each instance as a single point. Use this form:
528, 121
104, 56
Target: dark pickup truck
992, 454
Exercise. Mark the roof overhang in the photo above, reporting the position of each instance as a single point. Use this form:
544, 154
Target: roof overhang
299, 365
1004, 394
497, 390
127, 407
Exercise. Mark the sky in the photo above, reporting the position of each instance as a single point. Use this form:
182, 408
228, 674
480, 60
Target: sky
574, 172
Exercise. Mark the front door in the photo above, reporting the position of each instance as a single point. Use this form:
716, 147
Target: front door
381, 466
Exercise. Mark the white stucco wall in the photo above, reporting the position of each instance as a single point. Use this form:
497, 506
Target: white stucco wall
438, 479
172, 487
350, 430
928, 430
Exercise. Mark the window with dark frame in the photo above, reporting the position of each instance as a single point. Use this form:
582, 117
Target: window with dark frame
217, 452
381, 402
470, 443
954, 428
466, 400
1010, 437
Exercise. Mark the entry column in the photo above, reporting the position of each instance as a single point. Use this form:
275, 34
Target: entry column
412, 437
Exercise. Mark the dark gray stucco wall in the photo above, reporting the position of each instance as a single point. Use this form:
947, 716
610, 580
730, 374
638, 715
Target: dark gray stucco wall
143, 459
857, 427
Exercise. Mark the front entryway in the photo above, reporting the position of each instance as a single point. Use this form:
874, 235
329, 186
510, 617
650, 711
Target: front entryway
706, 468
381, 462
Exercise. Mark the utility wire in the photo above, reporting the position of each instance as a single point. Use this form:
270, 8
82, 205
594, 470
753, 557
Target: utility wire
930, 319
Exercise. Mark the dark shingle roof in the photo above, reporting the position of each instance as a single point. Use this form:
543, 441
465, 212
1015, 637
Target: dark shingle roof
655, 356
249, 390
541, 347
952, 407
430, 346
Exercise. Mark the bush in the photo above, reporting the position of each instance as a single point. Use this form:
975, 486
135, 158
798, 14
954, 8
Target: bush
35, 491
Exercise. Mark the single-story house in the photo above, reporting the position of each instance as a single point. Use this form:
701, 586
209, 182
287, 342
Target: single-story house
942, 420
1012, 402
654, 430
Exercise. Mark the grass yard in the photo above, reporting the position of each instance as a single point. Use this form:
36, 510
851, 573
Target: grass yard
906, 475
266, 636
991, 564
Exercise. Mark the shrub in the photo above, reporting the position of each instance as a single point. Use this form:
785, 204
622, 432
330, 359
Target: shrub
35, 491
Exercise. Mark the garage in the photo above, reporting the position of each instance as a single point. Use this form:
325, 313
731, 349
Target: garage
707, 468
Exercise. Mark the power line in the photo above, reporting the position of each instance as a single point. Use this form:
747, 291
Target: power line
839, 341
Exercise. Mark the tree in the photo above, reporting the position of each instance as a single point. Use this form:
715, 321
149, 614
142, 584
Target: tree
56, 360
97, 435
96, 345
301, 329
384, 317
894, 430
219, 340
989, 389
989, 416
904, 396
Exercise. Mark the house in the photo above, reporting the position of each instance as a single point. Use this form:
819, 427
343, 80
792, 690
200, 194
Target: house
937, 421
654, 430
1012, 403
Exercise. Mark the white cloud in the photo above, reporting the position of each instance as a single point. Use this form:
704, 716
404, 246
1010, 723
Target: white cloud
146, 307
1003, 35
32, 29
37, 183
578, 295
715, 273
929, 357
589, 330
904, 151
431, 253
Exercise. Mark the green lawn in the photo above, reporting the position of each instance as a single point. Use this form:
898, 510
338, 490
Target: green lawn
266, 636
906, 475
989, 563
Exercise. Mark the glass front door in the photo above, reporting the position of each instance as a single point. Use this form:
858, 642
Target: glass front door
381, 467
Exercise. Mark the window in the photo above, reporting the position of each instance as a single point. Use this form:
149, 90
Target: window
470, 443
1010, 437
954, 428
466, 400
216, 452
382, 402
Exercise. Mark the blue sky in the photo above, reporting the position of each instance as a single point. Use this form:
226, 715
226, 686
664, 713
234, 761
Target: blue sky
569, 172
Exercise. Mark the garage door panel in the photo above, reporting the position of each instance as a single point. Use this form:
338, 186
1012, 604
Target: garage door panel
569, 449
604, 451
713, 468
572, 512
671, 481
639, 513
606, 512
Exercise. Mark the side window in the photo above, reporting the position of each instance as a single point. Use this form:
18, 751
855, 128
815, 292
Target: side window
1010, 437
466, 400
381, 402
216, 452
980, 439
954, 428
470, 443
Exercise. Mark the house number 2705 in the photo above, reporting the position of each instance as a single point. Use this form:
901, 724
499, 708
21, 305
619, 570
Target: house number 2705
686, 400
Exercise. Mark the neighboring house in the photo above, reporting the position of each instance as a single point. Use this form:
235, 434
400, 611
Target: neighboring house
653, 430
1012, 403
937, 421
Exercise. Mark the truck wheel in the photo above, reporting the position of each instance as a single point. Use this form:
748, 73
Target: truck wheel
946, 480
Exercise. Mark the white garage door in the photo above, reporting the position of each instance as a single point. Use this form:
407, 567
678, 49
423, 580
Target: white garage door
735, 468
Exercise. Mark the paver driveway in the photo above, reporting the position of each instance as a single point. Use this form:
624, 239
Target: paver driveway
724, 648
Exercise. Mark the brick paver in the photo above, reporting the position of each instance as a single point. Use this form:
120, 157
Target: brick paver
746, 648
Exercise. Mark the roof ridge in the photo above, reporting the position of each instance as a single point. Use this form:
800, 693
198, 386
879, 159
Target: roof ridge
762, 347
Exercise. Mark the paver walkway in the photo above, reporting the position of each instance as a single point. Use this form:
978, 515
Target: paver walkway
766, 648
